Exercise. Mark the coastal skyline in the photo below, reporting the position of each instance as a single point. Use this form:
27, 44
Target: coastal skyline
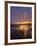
20, 14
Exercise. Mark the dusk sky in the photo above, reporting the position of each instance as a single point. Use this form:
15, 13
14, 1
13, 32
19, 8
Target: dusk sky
20, 14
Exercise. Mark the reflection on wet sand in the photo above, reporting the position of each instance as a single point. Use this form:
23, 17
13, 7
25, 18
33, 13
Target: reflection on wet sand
21, 31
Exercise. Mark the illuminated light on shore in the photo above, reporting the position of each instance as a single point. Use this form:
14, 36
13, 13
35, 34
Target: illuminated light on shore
24, 27
21, 27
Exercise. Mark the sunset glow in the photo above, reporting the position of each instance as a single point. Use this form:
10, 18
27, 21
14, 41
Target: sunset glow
23, 22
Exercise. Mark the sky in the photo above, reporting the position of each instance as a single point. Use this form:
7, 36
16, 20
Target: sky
19, 14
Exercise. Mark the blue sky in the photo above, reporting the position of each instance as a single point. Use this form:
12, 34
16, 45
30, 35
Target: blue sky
20, 14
